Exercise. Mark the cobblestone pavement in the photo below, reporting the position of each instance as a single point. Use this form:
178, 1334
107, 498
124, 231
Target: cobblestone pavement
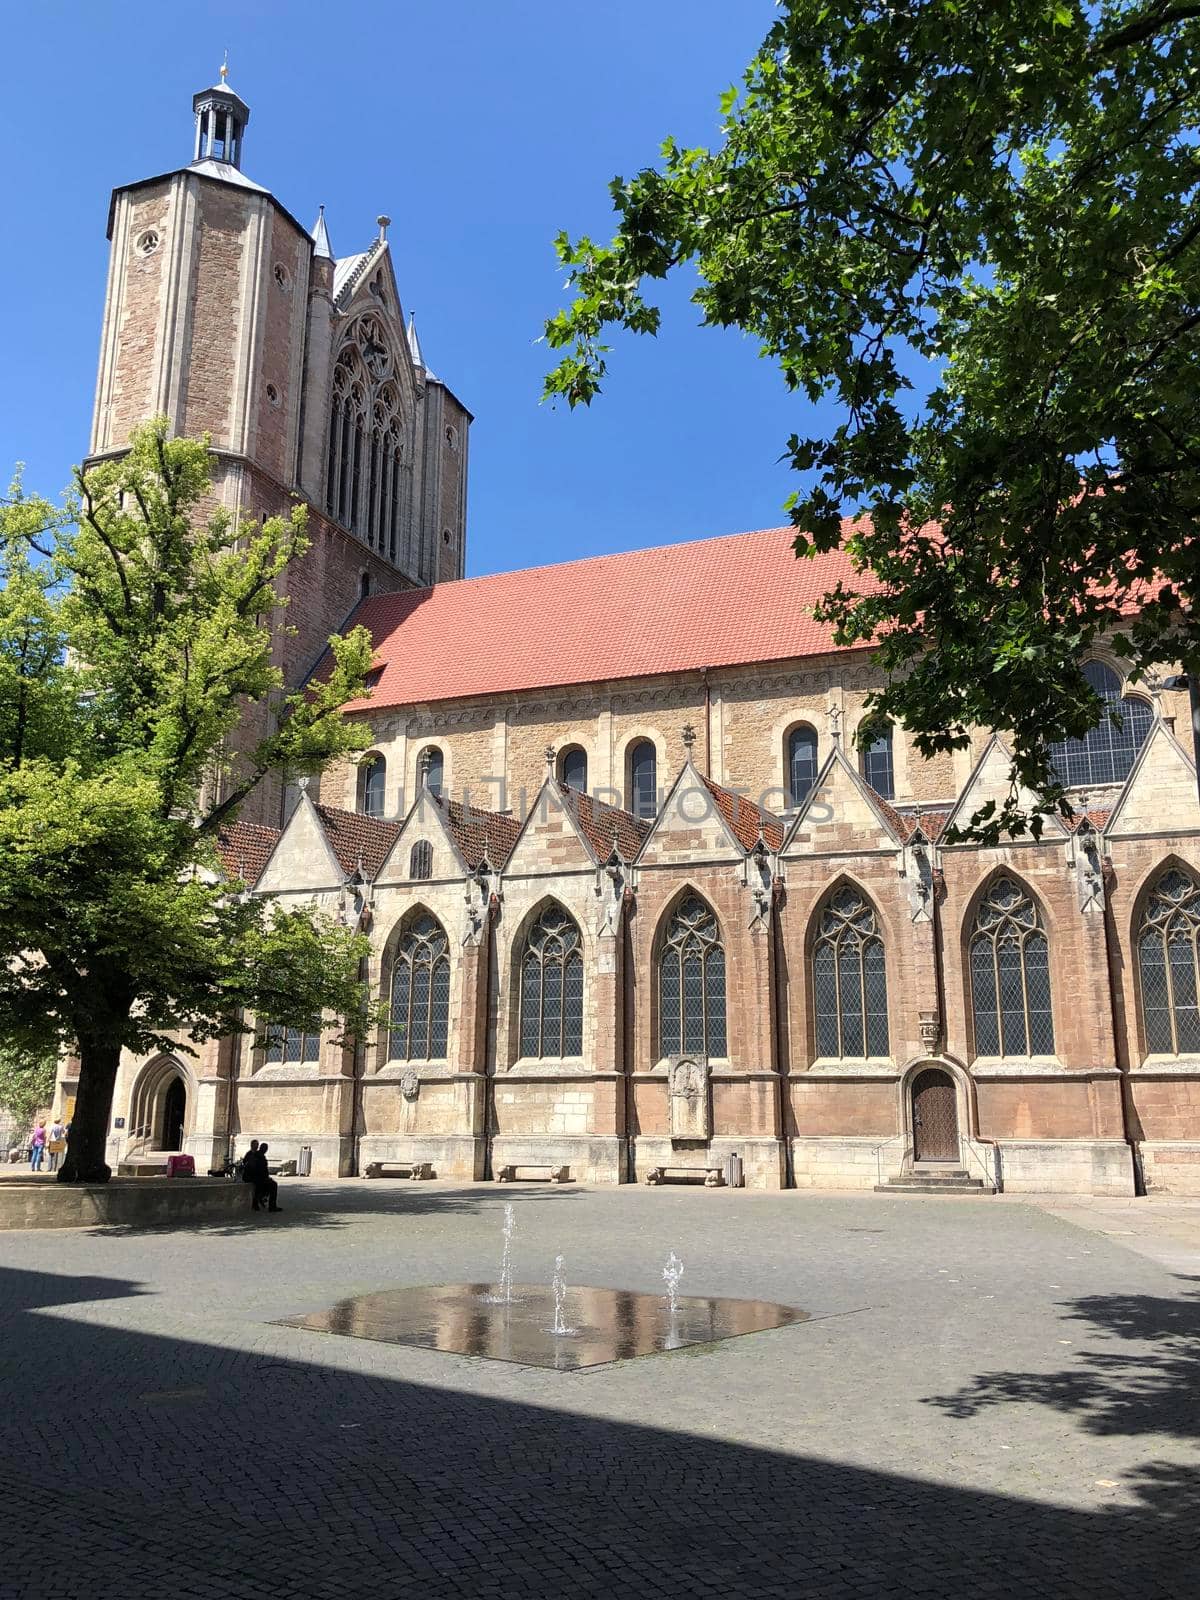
993, 1401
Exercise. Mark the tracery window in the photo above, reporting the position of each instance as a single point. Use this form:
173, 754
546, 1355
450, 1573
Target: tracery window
877, 765
1167, 965
801, 763
420, 1011
643, 779
849, 979
551, 1022
420, 860
1010, 975
363, 484
691, 983
1107, 753
294, 1044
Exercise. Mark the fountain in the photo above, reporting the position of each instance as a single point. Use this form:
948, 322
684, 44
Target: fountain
559, 1284
503, 1295
672, 1273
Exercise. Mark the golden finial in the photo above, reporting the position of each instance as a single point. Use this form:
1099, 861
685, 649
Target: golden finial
225, 67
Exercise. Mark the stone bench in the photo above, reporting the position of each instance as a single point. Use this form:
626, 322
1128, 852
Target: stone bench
399, 1169
551, 1173
713, 1177
281, 1169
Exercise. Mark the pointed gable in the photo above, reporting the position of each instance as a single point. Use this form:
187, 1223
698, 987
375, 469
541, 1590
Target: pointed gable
303, 857
842, 814
691, 824
1160, 792
605, 828
426, 820
550, 840
991, 779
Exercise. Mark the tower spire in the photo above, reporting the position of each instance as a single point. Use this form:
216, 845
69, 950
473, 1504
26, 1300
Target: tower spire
414, 344
320, 237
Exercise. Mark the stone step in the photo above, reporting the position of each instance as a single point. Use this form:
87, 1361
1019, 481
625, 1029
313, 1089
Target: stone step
929, 1183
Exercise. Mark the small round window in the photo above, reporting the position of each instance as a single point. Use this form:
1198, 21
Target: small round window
282, 277
147, 242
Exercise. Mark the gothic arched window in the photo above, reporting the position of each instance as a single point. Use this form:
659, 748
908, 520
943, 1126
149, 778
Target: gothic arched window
1010, 975
551, 1021
849, 979
643, 779
801, 763
420, 1013
573, 767
372, 786
365, 460
1167, 965
420, 860
691, 983
1107, 753
877, 767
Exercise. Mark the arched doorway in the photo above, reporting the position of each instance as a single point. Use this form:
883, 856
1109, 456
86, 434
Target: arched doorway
174, 1107
935, 1116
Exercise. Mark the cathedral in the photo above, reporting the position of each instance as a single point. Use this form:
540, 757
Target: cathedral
638, 902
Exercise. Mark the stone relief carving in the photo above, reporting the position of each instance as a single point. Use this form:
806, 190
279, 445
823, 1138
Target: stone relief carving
1089, 868
610, 888
410, 1083
687, 1087
916, 868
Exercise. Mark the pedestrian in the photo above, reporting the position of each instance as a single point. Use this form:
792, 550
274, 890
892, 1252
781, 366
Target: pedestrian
265, 1187
56, 1143
37, 1146
246, 1165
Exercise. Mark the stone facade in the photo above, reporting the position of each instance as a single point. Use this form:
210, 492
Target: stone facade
797, 973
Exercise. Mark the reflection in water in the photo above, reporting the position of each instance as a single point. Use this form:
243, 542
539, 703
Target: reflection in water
608, 1324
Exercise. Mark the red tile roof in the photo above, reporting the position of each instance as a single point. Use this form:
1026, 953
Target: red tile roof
354, 838
480, 835
739, 598
745, 818
244, 848
605, 827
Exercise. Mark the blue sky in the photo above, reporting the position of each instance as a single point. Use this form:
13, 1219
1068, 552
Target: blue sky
481, 129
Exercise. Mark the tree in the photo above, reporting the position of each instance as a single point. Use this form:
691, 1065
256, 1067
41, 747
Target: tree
26, 1085
976, 230
127, 656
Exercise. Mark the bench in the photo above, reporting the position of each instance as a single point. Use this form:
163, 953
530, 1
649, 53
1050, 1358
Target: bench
399, 1169
282, 1169
713, 1177
552, 1174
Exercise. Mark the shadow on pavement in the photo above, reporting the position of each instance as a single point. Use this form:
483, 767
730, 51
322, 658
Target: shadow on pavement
198, 1470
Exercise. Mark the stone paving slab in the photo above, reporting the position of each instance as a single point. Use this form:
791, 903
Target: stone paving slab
998, 1401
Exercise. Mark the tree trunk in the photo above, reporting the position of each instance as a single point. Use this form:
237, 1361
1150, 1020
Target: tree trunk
84, 1160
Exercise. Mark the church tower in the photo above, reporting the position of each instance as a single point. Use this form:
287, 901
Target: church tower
226, 315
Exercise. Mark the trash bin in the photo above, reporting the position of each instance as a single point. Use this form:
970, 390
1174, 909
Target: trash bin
733, 1170
304, 1161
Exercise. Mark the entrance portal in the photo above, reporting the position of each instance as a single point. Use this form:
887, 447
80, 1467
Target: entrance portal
934, 1116
173, 1107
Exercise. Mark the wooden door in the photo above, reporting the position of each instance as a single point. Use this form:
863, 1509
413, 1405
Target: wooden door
935, 1116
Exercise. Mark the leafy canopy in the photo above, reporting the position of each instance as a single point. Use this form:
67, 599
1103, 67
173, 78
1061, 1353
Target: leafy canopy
132, 637
975, 228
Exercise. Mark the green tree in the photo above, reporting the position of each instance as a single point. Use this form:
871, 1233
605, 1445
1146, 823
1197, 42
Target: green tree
974, 230
127, 657
26, 1085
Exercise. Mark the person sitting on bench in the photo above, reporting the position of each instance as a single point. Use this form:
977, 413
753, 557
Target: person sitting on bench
256, 1171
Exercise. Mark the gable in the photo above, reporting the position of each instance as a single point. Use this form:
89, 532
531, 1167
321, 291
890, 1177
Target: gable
1160, 792
841, 815
424, 821
991, 781
302, 857
550, 840
690, 826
